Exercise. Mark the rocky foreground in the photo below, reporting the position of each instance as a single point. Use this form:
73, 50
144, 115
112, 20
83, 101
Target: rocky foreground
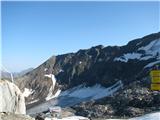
12, 116
12, 105
134, 100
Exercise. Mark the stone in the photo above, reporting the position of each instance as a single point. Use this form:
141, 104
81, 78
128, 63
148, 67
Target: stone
11, 98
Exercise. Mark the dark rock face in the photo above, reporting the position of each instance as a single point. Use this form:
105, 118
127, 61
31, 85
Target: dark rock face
90, 66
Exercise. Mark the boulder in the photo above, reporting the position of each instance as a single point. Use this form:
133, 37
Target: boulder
11, 98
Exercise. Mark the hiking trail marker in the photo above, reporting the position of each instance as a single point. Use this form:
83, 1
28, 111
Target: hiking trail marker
155, 79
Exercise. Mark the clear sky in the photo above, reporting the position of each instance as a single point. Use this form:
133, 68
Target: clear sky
34, 31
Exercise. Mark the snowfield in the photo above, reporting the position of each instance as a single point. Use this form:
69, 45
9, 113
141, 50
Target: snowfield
95, 92
76, 95
27, 92
69, 118
152, 48
151, 116
128, 56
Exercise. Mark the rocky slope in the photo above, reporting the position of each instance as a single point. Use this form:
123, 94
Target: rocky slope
98, 65
132, 101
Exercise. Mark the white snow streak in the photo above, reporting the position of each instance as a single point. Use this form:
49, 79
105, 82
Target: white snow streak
33, 101
152, 64
50, 94
61, 70
69, 118
128, 56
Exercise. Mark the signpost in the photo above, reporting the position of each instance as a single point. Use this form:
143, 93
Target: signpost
155, 79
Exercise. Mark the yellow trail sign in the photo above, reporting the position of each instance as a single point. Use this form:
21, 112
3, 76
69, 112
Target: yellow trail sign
155, 86
155, 73
155, 79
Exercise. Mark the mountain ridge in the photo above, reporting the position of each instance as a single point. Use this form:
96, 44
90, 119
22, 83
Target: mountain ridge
97, 65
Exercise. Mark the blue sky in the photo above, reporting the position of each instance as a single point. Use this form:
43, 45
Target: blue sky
34, 31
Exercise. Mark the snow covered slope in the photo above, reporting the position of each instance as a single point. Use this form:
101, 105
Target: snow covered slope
152, 50
151, 116
95, 92
128, 56
76, 95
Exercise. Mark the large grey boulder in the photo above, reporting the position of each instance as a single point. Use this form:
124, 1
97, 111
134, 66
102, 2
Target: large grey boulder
11, 98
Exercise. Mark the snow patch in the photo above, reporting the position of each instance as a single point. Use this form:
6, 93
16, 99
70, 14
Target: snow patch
53, 79
95, 92
128, 56
153, 48
33, 101
154, 45
152, 64
139, 43
146, 57
69, 118
50, 94
76, 95
151, 116
27, 92
61, 70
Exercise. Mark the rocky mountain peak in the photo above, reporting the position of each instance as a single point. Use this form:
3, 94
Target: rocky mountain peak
100, 65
